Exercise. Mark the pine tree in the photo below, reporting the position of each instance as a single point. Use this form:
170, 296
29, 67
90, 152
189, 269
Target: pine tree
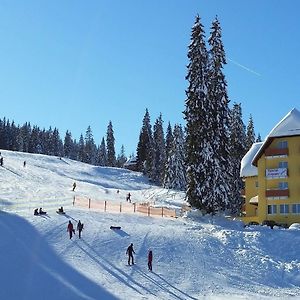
110, 144
81, 149
102, 154
217, 94
159, 147
68, 145
90, 147
121, 160
175, 168
198, 127
145, 147
250, 133
258, 139
237, 152
169, 140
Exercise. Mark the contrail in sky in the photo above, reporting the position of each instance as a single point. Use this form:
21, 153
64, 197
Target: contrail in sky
243, 67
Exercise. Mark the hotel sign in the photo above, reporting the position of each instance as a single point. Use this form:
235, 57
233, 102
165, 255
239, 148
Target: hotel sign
276, 173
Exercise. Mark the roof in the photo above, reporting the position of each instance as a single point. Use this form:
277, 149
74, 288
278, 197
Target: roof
247, 169
288, 126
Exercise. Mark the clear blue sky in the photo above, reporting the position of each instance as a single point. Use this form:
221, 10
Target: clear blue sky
71, 64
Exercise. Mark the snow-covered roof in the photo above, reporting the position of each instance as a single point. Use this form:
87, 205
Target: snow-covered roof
247, 169
288, 126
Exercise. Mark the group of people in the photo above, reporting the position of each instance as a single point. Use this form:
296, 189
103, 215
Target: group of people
38, 212
130, 252
71, 230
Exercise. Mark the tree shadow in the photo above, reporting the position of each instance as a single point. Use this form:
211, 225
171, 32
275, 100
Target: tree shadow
30, 264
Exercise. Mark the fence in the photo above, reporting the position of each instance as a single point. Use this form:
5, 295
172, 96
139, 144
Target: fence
110, 206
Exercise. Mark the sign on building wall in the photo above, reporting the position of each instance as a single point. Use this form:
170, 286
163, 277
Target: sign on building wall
276, 173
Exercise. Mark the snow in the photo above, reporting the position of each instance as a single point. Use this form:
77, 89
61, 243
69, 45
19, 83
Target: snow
195, 256
247, 169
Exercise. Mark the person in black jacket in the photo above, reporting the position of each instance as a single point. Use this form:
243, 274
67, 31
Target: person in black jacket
79, 228
130, 252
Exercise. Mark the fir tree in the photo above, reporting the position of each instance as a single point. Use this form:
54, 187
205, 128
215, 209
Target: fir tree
198, 127
102, 154
159, 151
121, 159
175, 168
258, 139
68, 145
90, 147
250, 139
81, 148
169, 140
110, 144
145, 147
237, 152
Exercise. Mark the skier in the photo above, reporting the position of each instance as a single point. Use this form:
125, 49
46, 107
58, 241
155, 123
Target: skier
70, 229
79, 228
74, 186
24, 163
128, 197
150, 257
130, 252
36, 212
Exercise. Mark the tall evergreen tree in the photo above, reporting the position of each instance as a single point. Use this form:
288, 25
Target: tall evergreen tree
237, 152
175, 167
90, 147
68, 145
81, 149
250, 133
219, 176
159, 147
102, 154
121, 159
110, 144
169, 140
198, 127
145, 150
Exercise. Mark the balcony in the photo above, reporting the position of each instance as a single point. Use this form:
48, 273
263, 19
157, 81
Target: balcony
277, 152
277, 193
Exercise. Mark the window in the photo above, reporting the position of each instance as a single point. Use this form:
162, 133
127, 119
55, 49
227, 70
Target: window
284, 208
282, 144
283, 185
296, 208
283, 165
256, 184
272, 209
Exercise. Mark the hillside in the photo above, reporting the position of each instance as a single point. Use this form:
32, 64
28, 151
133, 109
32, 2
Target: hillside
195, 257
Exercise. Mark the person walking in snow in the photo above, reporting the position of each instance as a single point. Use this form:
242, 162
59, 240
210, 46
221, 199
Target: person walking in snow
70, 229
74, 186
130, 252
79, 228
1, 161
150, 258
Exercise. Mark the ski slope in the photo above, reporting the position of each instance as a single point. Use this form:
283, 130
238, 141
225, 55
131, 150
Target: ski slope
195, 257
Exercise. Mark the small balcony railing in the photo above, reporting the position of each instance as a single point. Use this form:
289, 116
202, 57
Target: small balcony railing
276, 151
277, 193
276, 173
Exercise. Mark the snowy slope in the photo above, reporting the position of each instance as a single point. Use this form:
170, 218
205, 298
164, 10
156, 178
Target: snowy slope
194, 257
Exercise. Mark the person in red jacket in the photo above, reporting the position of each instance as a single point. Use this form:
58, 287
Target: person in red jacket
150, 257
70, 229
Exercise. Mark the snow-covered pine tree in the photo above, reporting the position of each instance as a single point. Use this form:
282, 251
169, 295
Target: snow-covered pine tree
237, 152
145, 147
110, 144
219, 117
68, 145
159, 147
175, 167
198, 127
169, 140
121, 159
250, 133
258, 139
90, 147
81, 149
102, 154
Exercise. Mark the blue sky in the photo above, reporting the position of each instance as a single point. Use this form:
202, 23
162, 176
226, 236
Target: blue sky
71, 64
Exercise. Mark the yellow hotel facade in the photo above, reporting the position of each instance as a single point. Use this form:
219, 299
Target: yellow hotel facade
271, 173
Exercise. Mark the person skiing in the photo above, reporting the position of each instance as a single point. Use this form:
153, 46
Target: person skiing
70, 229
128, 197
74, 186
150, 257
130, 252
79, 228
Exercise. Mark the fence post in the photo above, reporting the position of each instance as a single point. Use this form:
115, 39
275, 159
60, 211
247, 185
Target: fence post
120, 207
89, 202
148, 211
105, 205
73, 200
162, 211
133, 207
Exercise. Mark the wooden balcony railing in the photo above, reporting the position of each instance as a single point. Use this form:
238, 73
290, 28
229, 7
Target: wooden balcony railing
276, 151
277, 193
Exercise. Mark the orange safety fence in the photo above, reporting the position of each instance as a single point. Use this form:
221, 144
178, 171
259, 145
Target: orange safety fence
109, 206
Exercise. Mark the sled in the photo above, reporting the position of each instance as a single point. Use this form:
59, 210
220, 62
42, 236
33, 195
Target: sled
60, 212
115, 227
